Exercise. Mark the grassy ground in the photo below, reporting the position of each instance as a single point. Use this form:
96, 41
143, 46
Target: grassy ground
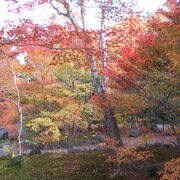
90, 166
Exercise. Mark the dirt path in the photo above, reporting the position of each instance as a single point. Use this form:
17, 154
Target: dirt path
131, 141
128, 141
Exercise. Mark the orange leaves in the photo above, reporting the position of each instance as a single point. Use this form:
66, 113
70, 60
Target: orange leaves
125, 155
100, 101
171, 170
7, 119
127, 31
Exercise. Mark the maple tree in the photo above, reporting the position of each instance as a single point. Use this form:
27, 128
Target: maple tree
149, 67
162, 78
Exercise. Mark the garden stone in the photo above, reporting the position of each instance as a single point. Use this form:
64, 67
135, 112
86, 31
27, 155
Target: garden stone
100, 138
95, 122
35, 150
3, 134
99, 148
2, 99
134, 133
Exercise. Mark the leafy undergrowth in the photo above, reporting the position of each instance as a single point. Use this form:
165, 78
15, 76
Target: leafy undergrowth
145, 163
54, 166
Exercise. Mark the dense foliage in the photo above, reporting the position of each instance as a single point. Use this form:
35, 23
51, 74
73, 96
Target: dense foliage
63, 82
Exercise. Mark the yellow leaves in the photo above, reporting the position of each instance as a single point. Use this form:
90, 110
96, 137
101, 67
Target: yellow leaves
76, 116
44, 130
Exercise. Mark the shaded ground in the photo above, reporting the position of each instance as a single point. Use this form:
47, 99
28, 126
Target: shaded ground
89, 166
56, 167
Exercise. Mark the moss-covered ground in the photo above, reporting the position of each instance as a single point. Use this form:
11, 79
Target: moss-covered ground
90, 166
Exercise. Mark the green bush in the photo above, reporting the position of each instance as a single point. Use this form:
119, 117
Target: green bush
17, 159
44, 130
122, 120
32, 100
46, 114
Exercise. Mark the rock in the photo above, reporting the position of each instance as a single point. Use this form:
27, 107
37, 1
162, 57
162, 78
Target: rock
99, 137
2, 99
95, 122
3, 134
134, 133
99, 148
35, 151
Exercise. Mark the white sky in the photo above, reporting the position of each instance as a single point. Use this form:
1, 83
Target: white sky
41, 15
150, 5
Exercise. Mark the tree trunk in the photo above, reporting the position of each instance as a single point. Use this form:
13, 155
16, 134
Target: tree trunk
18, 107
111, 125
110, 120
82, 7
103, 47
163, 128
95, 75
133, 122
173, 126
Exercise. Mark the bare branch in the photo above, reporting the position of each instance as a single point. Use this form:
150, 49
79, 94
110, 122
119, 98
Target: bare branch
45, 46
68, 13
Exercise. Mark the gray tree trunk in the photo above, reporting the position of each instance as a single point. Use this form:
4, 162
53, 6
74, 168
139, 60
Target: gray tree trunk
133, 122
111, 125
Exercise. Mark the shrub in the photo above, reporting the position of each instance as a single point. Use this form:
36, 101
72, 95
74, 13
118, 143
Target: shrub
46, 114
17, 159
171, 170
128, 155
50, 105
44, 130
75, 116
83, 91
32, 100
71, 118
122, 120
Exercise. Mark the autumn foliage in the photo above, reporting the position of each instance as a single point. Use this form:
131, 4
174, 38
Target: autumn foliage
171, 170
